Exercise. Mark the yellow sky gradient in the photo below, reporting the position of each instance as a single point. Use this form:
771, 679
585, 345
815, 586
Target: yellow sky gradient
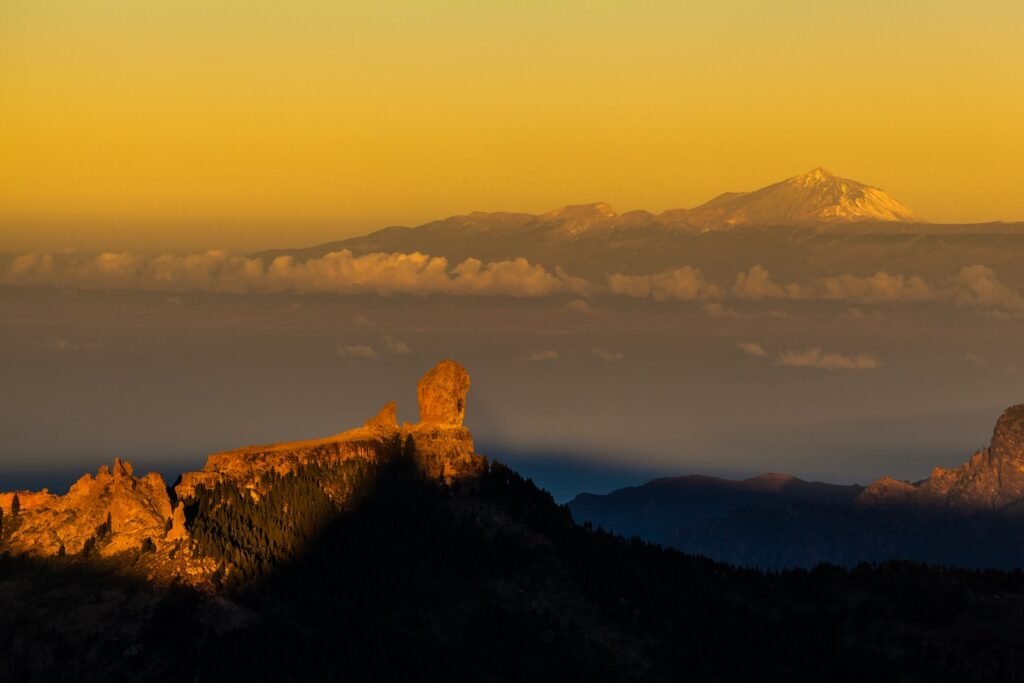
202, 123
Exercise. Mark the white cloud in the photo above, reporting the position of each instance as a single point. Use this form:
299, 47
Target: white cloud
717, 310
752, 349
757, 284
878, 288
359, 351
682, 284
541, 356
827, 360
342, 272
389, 347
578, 306
979, 286
338, 272
393, 347
608, 356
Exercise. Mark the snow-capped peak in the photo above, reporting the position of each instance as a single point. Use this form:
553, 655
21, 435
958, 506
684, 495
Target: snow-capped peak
817, 196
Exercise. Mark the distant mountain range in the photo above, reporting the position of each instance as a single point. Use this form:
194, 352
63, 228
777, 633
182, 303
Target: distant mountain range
969, 516
812, 225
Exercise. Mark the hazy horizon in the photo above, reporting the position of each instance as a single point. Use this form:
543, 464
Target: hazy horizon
581, 399
151, 126
152, 234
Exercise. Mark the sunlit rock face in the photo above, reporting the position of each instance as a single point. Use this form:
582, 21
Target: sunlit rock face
994, 476
386, 419
247, 466
27, 500
142, 514
888, 491
442, 395
991, 479
442, 447
138, 509
440, 444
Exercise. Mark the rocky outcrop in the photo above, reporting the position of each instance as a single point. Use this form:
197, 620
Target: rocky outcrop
888, 491
991, 479
178, 530
27, 500
386, 419
442, 395
442, 448
247, 466
113, 512
116, 511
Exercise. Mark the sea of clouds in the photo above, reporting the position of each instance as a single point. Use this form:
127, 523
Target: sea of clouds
342, 272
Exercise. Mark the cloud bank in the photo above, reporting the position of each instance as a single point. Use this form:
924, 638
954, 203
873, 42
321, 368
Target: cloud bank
389, 346
338, 272
757, 284
342, 272
827, 360
752, 349
813, 357
681, 284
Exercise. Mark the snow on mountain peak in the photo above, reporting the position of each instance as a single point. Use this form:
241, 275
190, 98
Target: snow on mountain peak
817, 196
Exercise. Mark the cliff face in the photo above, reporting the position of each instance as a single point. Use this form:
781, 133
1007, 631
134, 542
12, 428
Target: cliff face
143, 515
442, 447
137, 509
991, 479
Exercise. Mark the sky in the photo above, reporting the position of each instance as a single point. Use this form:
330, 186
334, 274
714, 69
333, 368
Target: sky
583, 398
148, 148
190, 125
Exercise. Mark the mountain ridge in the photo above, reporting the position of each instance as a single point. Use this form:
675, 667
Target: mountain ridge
117, 512
796, 240
424, 561
814, 198
968, 515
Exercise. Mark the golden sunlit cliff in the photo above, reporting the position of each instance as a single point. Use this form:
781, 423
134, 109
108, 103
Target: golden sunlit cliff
991, 479
117, 512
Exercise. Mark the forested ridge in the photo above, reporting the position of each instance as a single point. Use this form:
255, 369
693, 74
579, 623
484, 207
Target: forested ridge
373, 572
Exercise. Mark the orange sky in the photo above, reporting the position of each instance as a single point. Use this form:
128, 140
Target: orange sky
194, 124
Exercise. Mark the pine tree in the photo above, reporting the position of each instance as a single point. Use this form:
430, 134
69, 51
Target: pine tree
15, 505
103, 530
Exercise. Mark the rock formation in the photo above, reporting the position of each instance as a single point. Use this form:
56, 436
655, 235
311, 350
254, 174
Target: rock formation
990, 480
386, 419
888, 491
442, 447
141, 511
137, 509
442, 395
